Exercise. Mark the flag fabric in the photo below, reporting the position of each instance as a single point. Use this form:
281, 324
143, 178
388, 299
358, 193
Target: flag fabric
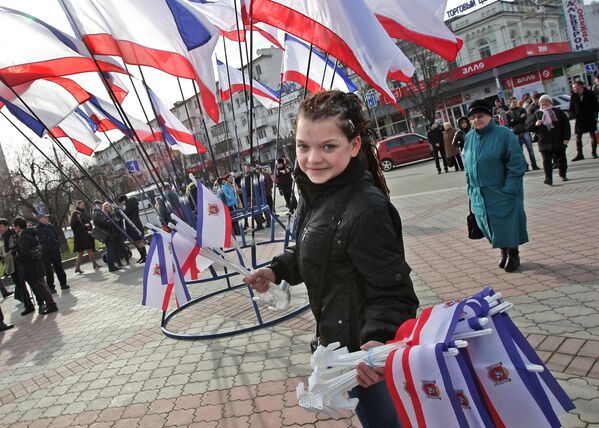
173, 131
158, 280
51, 100
78, 128
182, 295
221, 13
214, 220
106, 116
39, 51
268, 97
269, 32
117, 86
420, 22
351, 34
295, 66
169, 35
188, 253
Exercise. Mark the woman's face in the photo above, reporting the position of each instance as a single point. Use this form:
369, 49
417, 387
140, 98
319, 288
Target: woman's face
81, 205
480, 120
546, 104
323, 151
463, 124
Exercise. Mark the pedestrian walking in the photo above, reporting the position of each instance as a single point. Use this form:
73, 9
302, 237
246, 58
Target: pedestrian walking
452, 153
108, 232
284, 182
516, 121
462, 131
435, 139
131, 210
48, 237
349, 251
584, 108
82, 240
29, 256
495, 167
553, 128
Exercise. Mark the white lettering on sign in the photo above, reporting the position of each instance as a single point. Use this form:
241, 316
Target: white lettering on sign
473, 68
457, 8
578, 31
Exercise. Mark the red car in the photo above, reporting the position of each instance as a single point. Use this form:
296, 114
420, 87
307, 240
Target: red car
403, 148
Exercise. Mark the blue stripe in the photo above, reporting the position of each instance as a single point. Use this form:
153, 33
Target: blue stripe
161, 259
191, 29
449, 389
179, 273
93, 126
200, 208
122, 127
25, 118
473, 391
147, 268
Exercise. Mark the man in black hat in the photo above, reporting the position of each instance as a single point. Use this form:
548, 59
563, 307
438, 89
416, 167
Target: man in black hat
48, 237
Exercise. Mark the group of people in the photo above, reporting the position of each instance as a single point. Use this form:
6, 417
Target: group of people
445, 146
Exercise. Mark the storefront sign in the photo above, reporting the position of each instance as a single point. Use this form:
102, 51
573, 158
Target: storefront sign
457, 8
525, 79
547, 73
578, 31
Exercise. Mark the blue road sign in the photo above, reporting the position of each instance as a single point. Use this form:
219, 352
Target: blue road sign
590, 68
133, 166
371, 99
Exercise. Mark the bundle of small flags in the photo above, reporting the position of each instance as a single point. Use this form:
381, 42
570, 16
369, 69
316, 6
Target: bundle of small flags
461, 363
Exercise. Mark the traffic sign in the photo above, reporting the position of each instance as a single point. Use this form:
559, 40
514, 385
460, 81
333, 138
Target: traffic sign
372, 99
495, 72
590, 68
133, 166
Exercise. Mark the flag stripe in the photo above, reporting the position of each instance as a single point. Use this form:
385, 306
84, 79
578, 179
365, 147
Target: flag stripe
200, 209
393, 391
420, 325
457, 408
190, 263
167, 296
411, 388
298, 77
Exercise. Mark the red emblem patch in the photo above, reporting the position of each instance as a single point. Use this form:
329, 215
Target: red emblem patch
462, 399
498, 374
156, 270
213, 209
430, 389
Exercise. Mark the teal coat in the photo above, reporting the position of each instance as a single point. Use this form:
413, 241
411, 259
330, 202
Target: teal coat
495, 166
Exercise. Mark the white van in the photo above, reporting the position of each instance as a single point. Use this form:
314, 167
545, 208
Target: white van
147, 200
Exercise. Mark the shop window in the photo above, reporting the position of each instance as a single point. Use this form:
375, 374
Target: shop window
484, 49
515, 38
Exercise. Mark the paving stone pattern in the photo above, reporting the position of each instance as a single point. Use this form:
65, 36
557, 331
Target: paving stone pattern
103, 361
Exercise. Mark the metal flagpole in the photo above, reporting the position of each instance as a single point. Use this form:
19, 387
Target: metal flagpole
232, 109
308, 70
195, 91
334, 72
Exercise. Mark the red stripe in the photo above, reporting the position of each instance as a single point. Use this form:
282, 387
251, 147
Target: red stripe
167, 296
411, 388
169, 62
405, 330
103, 124
422, 320
190, 263
239, 87
393, 388
182, 136
297, 77
228, 227
232, 35
80, 94
18, 74
79, 146
446, 49
268, 36
492, 411
305, 28
58, 133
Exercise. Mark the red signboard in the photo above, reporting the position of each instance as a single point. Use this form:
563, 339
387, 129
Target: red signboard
546, 73
525, 79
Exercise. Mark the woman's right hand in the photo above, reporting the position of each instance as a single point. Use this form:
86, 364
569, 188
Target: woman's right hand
260, 279
538, 122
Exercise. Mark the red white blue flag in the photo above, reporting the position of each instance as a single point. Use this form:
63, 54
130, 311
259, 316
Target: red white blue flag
78, 129
221, 13
158, 280
51, 100
118, 87
169, 35
348, 31
322, 69
188, 253
173, 131
268, 97
420, 22
214, 220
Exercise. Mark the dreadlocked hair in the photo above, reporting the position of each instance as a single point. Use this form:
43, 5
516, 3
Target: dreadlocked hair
347, 108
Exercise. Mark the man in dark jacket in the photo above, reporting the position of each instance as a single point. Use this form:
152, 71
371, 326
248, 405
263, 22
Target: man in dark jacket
584, 108
28, 255
250, 196
285, 182
435, 139
516, 121
131, 210
48, 237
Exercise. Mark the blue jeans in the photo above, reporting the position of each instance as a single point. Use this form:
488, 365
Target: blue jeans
526, 140
376, 408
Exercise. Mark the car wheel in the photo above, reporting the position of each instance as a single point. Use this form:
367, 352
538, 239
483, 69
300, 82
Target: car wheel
386, 165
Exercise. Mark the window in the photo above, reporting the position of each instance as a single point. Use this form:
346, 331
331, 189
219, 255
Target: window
515, 38
484, 49
411, 139
396, 142
261, 134
258, 70
274, 130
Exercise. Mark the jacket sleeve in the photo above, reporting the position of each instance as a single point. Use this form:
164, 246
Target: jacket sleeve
389, 293
515, 165
531, 123
566, 129
286, 267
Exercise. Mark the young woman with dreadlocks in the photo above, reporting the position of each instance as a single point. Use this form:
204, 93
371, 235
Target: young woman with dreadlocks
349, 248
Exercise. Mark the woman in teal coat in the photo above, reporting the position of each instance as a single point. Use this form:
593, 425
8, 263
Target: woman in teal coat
495, 167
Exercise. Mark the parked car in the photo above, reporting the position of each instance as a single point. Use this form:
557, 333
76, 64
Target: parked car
403, 148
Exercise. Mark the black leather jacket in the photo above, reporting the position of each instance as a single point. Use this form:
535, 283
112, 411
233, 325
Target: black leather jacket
367, 292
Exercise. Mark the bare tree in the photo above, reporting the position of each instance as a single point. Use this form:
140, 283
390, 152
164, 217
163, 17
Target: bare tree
426, 90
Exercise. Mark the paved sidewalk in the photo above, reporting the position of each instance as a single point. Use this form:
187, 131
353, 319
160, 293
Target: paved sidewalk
103, 361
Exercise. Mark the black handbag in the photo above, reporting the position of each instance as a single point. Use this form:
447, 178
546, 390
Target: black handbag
474, 231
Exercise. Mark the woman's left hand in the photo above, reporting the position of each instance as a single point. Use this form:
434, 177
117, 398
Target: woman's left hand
367, 375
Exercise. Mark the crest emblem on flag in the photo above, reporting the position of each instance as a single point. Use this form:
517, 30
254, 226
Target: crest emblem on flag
464, 402
498, 374
430, 389
213, 209
156, 270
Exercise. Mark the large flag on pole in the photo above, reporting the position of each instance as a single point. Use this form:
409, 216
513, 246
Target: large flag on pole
78, 129
173, 131
169, 35
268, 97
295, 65
34, 50
348, 31
158, 280
51, 100
214, 220
221, 13
118, 86
420, 22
